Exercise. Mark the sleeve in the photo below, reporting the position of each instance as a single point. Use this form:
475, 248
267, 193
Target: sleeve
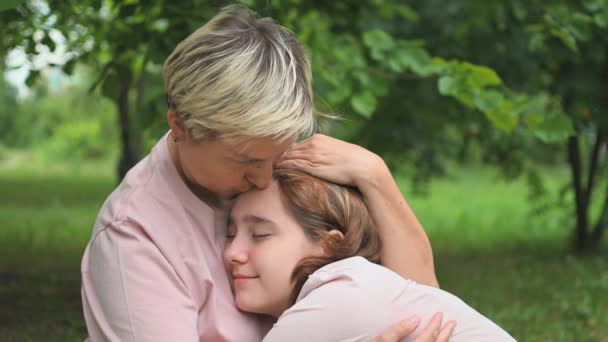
335, 311
131, 292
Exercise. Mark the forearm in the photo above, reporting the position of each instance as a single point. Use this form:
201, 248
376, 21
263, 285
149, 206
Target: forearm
406, 248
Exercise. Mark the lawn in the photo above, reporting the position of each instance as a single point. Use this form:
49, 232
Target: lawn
513, 267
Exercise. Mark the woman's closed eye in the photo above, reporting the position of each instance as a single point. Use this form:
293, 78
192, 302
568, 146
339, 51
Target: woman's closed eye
260, 236
230, 232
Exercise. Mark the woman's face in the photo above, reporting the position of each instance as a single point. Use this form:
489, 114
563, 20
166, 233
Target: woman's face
227, 169
264, 245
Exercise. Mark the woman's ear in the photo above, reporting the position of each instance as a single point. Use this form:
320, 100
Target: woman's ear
336, 233
177, 128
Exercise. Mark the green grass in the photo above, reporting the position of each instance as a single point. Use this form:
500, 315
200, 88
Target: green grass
512, 267
46, 216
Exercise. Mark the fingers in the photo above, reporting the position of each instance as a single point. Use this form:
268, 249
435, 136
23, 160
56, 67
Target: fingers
299, 164
398, 331
313, 142
446, 332
296, 154
433, 332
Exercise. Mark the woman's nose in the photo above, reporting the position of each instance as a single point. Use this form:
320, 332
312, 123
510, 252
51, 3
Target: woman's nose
236, 251
261, 177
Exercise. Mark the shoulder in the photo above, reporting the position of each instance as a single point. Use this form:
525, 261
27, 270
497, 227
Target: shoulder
336, 311
355, 272
333, 295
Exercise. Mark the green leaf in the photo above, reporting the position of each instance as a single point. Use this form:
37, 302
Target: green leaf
378, 40
555, 128
565, 37
395, 65
377, 55
160, 25
481, 76
378, 85
536, 42
504, 118
488, 101
364, 103
438, 65
533, 121
338, 94
8, 4
519, 11
414, 58
601, 19
447, 85
407, 13
363, 78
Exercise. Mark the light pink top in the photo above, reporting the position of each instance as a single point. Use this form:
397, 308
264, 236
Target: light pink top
153, 269
355, 300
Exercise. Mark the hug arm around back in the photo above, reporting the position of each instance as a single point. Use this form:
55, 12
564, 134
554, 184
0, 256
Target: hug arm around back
131, 292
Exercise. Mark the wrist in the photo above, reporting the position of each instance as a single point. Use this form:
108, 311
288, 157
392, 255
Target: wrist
373, 175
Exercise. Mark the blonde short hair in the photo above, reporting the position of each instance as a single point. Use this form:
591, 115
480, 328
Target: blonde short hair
241, 76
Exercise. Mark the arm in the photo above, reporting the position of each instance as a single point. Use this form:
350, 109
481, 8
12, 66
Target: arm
339, 311
130, 291
407, 249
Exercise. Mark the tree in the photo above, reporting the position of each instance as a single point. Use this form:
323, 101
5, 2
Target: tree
557, 51
420, 81
126, 41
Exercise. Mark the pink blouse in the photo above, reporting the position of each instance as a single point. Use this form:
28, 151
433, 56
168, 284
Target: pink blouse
153, 270
355, 300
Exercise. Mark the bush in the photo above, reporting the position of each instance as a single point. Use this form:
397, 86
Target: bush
79, 140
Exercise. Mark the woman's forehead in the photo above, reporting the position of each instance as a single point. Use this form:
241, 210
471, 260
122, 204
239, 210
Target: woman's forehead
259, 148
258, 200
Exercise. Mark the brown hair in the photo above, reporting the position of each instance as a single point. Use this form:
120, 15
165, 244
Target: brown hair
320, 207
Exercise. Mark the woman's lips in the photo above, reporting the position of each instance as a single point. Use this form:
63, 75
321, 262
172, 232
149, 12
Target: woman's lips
242, 279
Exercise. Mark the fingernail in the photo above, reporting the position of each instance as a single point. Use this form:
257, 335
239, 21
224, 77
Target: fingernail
413, 320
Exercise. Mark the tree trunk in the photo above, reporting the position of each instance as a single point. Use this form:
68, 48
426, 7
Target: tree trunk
128, 156
574, 159
600, 227
602, 222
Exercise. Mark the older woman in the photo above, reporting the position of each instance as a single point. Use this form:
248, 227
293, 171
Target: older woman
239, 95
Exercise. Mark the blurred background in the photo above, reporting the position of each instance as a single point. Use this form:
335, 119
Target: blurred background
491, 115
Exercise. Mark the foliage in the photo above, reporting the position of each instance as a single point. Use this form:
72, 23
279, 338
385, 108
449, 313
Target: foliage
415, 83
61, 122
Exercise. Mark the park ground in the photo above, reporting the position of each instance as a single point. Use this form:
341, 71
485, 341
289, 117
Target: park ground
514, 267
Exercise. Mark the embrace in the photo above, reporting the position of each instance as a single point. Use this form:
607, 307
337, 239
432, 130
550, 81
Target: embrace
243, 225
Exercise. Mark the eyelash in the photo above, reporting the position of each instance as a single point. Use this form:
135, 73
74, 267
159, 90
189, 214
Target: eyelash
255, 236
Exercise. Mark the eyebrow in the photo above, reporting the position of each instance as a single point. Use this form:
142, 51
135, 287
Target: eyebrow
247, 157
252, 219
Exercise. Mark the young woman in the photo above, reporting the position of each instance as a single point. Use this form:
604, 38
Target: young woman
306, 252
